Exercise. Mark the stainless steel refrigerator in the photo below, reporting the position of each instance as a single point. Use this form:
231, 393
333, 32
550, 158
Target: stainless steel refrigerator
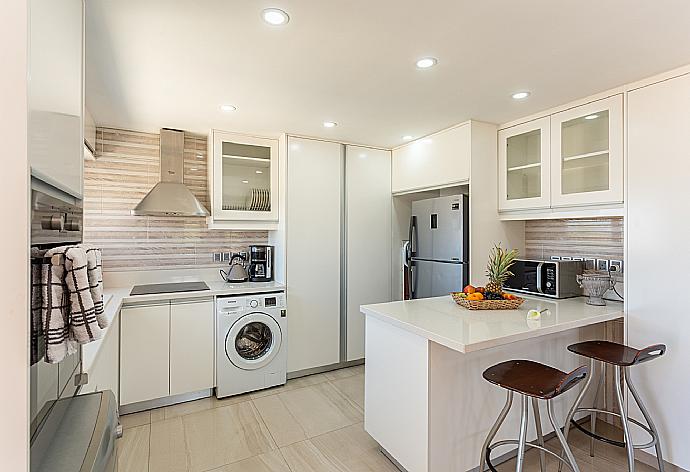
438, 253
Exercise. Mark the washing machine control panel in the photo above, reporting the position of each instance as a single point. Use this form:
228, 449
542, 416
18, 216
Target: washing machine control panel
267, 301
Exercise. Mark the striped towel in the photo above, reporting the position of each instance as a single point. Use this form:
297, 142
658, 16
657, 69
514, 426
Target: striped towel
55, 309
37, 347
83, 325
95, 275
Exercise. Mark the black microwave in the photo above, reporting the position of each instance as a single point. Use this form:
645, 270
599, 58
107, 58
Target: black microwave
554, 279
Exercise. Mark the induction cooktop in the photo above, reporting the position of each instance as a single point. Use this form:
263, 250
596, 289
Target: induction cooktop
175, 287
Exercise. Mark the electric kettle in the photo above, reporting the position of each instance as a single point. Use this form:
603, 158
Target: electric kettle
237, 272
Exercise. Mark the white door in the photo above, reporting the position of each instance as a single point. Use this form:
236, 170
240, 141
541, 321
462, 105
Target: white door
245, 177
144, 355
368, 204
587, 154
191, 346
314, 213
55, 93
253, 341
657, 230
524, 166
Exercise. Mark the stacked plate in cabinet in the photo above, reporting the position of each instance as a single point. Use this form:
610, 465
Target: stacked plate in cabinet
259, 200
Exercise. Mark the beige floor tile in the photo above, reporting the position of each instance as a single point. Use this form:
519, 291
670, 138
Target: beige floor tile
220, 436
167, 450
135, 419
235, 399
269, 462
352, 449
283, 426
186, 408
133, 450
352, 387
292, 384
305, 457
344, 373
321, 408
157, 414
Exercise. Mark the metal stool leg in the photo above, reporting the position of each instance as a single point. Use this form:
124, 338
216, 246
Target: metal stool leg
540, 434
624, 420
593, 415
524, 414
561, 438
647, 418
494, 429
576, 405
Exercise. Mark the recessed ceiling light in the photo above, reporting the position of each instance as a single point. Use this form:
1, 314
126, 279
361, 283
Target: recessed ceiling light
520, 95
228, 107
407, 137
330, 124
591, 117
426, 62
245, 181
275, 16
259, 172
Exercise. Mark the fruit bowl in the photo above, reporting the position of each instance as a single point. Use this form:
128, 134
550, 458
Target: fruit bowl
513, 304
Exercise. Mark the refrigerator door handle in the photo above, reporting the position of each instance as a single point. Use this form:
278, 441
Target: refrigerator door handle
413, 236
413, 281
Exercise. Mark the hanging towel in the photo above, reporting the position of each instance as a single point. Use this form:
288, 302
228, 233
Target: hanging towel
37, 341
95, 274
83, 326
55, 309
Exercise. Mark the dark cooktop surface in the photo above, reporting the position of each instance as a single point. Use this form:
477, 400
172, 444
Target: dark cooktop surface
169, 288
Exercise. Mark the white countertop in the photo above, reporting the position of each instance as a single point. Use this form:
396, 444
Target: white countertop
115, 298
442, 321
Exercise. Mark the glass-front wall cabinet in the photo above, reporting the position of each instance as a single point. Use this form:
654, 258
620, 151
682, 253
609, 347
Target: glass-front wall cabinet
587, 153
524, 166
244, 177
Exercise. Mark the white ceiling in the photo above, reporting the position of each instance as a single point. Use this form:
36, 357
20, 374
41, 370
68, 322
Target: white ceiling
172, 63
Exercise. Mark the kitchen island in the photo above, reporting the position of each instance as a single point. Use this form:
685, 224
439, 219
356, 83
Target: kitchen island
426, 402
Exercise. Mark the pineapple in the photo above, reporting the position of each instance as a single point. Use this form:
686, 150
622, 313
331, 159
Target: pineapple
498, 267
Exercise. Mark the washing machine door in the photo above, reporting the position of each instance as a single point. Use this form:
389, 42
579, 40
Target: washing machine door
253, 341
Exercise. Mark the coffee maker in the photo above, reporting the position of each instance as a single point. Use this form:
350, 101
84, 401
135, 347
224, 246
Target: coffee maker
260, 263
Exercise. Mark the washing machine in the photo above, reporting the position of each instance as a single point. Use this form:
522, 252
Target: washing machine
251, 344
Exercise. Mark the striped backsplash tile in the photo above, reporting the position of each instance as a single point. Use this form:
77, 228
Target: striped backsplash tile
127, 166
601, 238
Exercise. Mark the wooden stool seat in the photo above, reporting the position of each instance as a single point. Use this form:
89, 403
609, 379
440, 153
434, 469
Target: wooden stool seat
616, 354
534, 379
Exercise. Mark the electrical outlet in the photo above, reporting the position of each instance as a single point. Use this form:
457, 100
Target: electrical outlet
566, 258
616, 265
590, 263
217, 257
555, 258
602, 264
226, 257
577, 259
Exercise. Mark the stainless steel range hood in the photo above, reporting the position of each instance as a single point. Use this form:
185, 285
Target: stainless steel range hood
170, 196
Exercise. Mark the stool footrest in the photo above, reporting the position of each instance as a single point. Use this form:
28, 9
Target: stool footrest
613, 441
516, 442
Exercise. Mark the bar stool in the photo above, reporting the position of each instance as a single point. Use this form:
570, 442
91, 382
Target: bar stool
621, 357
534, 381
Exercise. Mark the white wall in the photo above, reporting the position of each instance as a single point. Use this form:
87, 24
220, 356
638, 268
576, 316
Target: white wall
485, 227
656, 256
14, 279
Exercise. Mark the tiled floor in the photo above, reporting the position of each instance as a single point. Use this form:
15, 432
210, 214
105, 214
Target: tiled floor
312, 424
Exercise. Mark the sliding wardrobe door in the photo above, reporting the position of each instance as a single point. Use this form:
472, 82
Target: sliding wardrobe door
314, 214
368, 230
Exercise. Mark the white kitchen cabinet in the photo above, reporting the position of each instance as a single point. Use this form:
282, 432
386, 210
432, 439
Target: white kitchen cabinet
314, 213
658, 120
144, 353
104, 370
191, 346
243, 181
587, 154
438, 160
524, 166
55, 93
368, 207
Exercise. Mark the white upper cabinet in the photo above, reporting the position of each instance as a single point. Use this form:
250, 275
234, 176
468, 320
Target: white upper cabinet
524, 177
439, 160
55, 95
587, 154
571, 161
243, 180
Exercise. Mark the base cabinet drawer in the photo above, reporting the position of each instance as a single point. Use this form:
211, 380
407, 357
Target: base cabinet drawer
144, 353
